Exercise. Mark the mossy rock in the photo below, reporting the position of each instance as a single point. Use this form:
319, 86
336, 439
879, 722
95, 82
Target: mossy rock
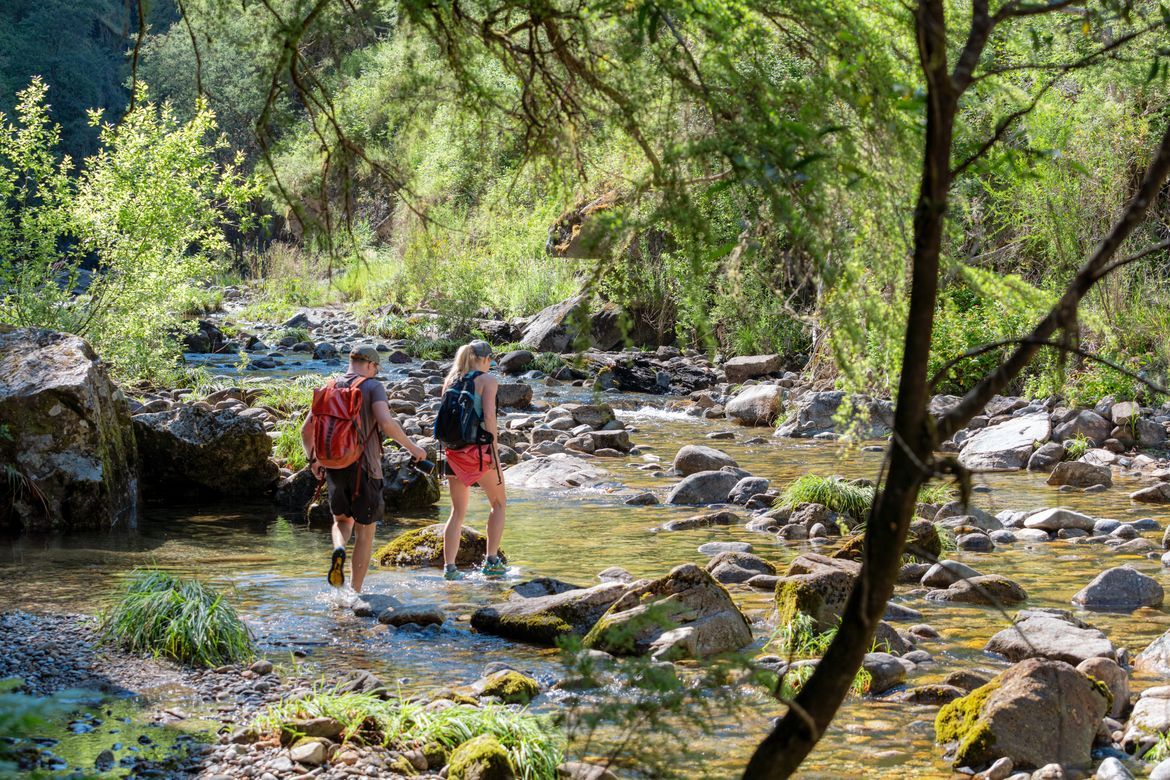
482, 758
436, 753
461, 695
424, 547
401, 766
509, 686
922, 542
960, 722
821, 596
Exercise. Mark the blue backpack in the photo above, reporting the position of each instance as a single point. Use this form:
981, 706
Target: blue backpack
458, 424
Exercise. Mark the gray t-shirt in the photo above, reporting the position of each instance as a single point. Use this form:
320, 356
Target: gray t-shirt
372, 392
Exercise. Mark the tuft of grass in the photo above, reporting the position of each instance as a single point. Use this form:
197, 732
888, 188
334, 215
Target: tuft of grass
833, 492
937, 494
548, 362
1076, 449
287, 447
950, 543
289, 397
300, 334
183, 620
429, 348
394, 326
533, 744
800, 638
794, 678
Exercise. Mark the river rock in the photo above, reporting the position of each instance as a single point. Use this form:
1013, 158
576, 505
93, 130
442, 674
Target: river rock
67, 436
1156, 657
404, 488
1058, 519
885, 671
707, 621
1115, 679
1046, 457
515, 361
193, 450
481, 758
704, 487
554, 328
577, 770
508, 685
543, 619
1040, 635
424, 547
702, 521
1155, 494
516, 395
1080, 474
815, 586
1085, 423
746, 488
1007, 446
1150, 719
734, 567
419, 614
756, 405
945, 573
557, 471
311, 753
740, 369
990, 589
814, 414
694, 458
999, 719
1121, 588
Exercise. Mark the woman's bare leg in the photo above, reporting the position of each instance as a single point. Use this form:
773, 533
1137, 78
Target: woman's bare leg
493, 488
452, 532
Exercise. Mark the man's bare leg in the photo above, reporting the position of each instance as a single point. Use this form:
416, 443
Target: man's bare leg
342, 528
363, 547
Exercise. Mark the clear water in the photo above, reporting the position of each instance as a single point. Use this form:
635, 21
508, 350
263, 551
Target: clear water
275, 566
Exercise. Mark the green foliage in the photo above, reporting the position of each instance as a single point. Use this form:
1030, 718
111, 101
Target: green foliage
150, 205
1077, 447
21, 717
950, 542
799, 637
184, 620
289, 397
533, 744
833, 492
936, 493
548, 362
287, 447
301, 335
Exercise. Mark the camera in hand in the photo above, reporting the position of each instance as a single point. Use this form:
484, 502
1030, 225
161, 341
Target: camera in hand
423, 466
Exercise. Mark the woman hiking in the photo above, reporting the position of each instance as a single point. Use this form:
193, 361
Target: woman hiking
474, 463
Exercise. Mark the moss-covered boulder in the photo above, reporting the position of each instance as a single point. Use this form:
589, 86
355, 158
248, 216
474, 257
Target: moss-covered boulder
1001, 718
482, 758
922, 542
66, 440
507, 685
686, 614
815, 586
424, 547
542, 620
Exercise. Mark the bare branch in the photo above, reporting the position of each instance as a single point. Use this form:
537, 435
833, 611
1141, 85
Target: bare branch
1132, 259
134, 55
1017, 9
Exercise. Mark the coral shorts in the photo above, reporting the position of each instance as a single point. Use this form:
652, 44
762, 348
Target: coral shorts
469, 464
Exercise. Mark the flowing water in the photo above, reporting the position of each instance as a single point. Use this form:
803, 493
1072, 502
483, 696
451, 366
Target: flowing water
275, 567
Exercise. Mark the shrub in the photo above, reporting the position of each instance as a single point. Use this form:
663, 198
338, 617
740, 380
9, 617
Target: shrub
183, 620
833, 492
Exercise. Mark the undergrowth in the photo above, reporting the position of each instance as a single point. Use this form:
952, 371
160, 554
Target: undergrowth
832, 492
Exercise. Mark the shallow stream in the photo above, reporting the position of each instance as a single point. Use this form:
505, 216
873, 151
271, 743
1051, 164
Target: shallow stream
275, 567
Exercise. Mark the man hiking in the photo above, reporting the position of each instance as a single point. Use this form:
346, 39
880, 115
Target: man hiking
340, 429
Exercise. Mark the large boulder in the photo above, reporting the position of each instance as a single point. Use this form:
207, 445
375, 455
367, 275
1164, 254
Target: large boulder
705, 487
517, 395
559, 471
1007, 446
1059, 519
1148, 722
194, 450
1085, 423
1050, 635
740, 369
65, 436
694, 458
1154, 494
1080, 474
424, 547
206, 338
516, 361
554, 328
817, 587
542, 620
756, 405
1156, 657
815, 414
405, 488
990, 589
1122, 589
686, 614
999, 720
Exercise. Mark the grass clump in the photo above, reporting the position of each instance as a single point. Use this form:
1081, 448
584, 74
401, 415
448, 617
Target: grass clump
291, 397
287, 447
532, 744
936, 494
300, 334
832, 492
183, 620
1076, 448
548, 362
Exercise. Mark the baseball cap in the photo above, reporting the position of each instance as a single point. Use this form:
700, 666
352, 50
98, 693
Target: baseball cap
367, 353
481, 348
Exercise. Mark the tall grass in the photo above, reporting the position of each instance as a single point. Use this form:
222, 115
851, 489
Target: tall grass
1076, 449
289, 397
533, 744
287, 447
938, 493
183, 620
833, 492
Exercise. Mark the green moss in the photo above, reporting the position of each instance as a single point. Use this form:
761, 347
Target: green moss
960, 722
436, 754
796, 597
424, 547
1103, 689
596, 638
542, 627
511, 687
402, 766
482, 758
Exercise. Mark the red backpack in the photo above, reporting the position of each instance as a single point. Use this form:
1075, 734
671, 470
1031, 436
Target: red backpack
338, 438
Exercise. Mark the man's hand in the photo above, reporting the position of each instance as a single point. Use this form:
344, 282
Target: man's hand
317, 470
416, 452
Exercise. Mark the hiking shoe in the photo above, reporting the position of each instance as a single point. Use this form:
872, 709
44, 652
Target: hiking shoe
336, 576
452, 574
493, 569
